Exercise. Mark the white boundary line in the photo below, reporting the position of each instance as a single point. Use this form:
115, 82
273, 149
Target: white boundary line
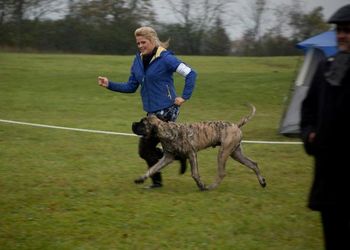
123, 134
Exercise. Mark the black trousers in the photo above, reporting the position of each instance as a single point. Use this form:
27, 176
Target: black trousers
148, 147
149, 151
336, 228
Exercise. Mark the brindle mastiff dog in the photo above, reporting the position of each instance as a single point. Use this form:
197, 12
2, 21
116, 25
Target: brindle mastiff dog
185, 140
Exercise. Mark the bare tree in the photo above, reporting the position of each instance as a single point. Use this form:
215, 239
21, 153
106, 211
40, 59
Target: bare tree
253, 18
111, 11
260, 6
16, 11
281, 20
304, 25
202, 12
195, 18
19, 10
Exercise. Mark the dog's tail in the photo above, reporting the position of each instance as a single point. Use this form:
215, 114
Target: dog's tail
247, 118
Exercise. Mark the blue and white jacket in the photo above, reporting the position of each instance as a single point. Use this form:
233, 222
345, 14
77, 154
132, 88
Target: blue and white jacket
157, 83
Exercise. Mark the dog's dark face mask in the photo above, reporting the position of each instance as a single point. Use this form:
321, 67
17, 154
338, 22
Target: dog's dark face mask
143, 128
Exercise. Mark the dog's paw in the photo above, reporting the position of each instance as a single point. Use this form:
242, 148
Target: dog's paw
139, 180
263, 182
212, 186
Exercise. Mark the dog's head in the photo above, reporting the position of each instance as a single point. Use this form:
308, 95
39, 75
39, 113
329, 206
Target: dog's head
147, 126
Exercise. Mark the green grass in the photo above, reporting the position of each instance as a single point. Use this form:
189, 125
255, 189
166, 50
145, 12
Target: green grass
72, 190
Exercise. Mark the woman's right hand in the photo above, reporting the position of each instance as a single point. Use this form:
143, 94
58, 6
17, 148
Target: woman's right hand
103, 81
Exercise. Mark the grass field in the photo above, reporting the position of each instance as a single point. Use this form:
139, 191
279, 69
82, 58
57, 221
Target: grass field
72, 190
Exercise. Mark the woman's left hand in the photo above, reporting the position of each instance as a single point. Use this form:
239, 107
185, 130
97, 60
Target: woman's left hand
179, 101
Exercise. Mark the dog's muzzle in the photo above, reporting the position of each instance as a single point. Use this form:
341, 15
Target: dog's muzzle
138, 129
134, 127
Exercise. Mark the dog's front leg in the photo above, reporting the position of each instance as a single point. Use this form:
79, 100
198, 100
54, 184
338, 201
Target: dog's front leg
195, 173
164, 161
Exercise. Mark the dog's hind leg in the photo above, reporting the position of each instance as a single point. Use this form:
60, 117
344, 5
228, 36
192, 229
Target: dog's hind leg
195, 173
164, 161
238, 156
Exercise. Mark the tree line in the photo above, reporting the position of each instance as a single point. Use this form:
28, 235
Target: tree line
106, 26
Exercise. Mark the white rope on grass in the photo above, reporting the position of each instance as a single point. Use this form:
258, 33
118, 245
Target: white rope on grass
123, 134
66, 128
274, 142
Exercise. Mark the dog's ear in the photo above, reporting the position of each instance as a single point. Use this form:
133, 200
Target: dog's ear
154, 130
144, 119
153, 119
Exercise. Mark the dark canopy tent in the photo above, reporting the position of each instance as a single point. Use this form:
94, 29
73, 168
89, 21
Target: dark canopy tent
316, 48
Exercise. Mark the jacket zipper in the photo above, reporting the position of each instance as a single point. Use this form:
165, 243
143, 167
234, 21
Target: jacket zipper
169, 94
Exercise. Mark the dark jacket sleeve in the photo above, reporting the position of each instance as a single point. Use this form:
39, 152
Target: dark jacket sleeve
126, 87
309, 110
129, 87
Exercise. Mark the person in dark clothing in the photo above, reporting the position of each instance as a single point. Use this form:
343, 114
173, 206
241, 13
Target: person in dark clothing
153, 70
325, 131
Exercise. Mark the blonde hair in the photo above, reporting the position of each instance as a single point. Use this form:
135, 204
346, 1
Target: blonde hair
150, 34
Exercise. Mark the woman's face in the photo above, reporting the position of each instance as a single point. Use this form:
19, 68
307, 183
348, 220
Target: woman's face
144, 45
